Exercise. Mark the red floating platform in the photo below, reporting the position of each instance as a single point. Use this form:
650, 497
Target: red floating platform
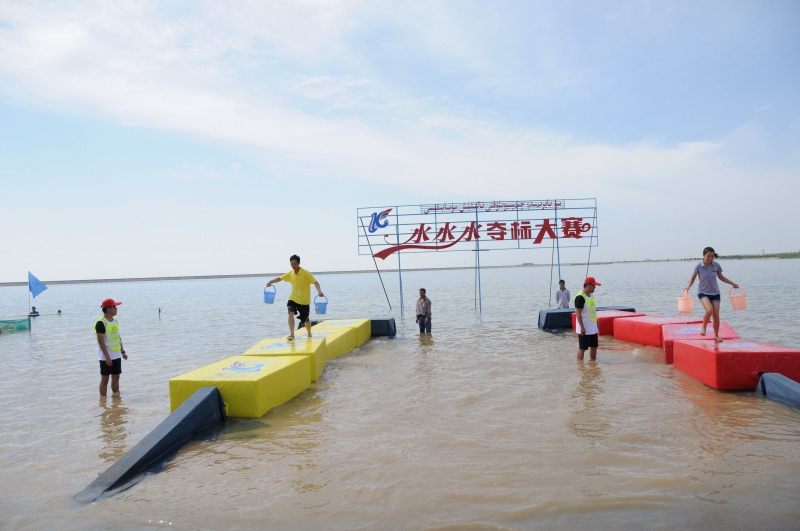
605, 320
647, 330
734, 365
688, 332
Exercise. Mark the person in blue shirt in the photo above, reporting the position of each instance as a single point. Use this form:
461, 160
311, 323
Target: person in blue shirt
709, 271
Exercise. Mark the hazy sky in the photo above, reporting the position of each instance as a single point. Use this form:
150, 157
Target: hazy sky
181, 138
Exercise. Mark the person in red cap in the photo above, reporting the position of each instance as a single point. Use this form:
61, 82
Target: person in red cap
110, 347
586, 319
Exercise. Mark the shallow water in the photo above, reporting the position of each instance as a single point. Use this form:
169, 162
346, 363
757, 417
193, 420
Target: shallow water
487, 424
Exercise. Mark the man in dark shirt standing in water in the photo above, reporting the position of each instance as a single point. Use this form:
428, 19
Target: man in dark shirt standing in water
424, 312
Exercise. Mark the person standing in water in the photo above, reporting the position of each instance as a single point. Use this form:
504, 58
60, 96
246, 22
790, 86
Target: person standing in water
586, 319
562, 295
424, 312
300, 299
709, 271
110, 347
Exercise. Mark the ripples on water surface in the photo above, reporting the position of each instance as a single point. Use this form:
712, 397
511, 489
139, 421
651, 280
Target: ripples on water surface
487, 424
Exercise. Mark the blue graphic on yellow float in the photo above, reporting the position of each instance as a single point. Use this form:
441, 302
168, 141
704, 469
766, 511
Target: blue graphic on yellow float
361, 327
250, 386
315, 348
340, 341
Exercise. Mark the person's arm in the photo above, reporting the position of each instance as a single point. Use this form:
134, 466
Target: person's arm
428, 311
727, 280
122, 349
273, 281
101, 340
691, 281
319, 290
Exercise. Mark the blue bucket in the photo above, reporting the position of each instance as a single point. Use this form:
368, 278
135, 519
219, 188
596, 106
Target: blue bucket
321, 307
269, 296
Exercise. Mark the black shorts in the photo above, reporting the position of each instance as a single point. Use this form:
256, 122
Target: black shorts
585, 342
712, 298
302, 309
105, 370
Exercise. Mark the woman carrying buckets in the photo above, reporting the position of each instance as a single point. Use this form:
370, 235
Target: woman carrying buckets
708, 289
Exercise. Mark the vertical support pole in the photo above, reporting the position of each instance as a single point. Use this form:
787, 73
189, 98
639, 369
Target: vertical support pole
558, 248
399, 268
478, 252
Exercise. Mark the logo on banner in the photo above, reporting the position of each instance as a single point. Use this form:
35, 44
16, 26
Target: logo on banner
379, 220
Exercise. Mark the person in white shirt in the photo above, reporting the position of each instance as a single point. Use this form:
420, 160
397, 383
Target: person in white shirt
562, 295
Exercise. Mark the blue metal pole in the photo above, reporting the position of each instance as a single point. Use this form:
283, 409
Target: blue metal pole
399, 268
558, 248
478, 250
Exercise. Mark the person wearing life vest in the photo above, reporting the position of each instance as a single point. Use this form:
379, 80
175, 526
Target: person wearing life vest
586, 319
110, 349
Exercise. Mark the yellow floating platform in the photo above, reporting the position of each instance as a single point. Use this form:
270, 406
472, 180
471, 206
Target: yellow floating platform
340, 341
361, 327
315, 348
250, 386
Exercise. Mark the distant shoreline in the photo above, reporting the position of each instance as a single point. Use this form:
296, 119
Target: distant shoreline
776, 256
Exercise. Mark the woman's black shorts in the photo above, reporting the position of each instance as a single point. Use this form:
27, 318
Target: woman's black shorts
105, 370
712, 298
302, 309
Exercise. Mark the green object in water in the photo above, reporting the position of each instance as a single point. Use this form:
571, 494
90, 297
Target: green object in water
15, 325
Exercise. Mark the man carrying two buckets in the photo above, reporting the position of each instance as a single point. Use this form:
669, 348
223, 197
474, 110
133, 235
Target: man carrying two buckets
300, 299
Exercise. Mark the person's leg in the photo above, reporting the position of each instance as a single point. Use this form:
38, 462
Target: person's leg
115, 384
428, 325
421, 323
709, 308
716, 322
103, 385
304, 320
291, 324
580, 354
593, 353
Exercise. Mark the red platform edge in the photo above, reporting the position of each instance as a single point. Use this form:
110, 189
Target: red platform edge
647, 330
734, 365
691, 332
606, 318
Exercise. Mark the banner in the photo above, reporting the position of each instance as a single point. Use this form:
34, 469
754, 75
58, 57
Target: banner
482, 225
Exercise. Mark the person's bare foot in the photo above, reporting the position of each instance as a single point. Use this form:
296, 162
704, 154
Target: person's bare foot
718, 339
703, 331
308, 328
290, 338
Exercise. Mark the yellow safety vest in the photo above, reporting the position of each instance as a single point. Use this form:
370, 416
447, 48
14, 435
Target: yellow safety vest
113, 342
590, 311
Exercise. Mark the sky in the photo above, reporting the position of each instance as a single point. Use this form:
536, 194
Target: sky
190, 138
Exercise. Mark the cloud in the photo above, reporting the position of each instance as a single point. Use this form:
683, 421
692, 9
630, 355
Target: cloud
281, 78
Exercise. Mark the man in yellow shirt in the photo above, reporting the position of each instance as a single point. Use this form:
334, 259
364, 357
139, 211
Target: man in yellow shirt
300, 299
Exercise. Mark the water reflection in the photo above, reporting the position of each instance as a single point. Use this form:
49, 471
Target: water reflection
587, 422
112, 428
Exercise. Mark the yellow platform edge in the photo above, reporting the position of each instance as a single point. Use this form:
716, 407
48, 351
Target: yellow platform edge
315, 348
340, 341
362, 328
250, 386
